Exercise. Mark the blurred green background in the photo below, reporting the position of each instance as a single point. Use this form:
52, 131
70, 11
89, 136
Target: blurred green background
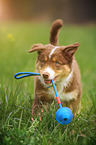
16, 38
22, 24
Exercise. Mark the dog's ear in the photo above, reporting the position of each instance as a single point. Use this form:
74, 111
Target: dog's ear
40, 47
36, 47
69, 50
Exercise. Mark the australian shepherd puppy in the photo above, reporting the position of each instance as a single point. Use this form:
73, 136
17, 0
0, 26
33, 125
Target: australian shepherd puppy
57, 63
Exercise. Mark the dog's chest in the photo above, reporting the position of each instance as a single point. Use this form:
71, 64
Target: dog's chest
60, 86
62, 95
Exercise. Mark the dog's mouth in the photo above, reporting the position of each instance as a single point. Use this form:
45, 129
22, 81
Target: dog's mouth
47, 81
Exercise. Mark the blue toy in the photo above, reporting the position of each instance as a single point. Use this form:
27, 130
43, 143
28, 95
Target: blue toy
21, 75
63, 114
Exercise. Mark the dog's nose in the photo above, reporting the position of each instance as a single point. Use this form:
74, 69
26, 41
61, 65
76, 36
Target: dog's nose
45, 75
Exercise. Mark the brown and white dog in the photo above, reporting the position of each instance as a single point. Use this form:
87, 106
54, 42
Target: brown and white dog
57, 63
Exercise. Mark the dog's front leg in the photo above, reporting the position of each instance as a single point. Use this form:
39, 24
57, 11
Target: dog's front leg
39, 106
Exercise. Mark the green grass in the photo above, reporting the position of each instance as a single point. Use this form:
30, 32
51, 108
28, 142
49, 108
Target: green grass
16, 96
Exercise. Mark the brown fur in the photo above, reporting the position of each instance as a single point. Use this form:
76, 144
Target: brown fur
66, 73
55, 31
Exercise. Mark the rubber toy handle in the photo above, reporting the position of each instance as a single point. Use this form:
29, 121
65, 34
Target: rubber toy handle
57, 97
21, 75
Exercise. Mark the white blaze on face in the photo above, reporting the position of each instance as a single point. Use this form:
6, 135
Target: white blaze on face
50, 71
52, 51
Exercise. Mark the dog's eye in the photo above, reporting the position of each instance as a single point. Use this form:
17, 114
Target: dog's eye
57, 63
43, 61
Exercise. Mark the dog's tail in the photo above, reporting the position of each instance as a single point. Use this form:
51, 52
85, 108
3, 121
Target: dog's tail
55, 28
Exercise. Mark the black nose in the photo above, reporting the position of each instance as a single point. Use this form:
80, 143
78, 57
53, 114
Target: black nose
45, 75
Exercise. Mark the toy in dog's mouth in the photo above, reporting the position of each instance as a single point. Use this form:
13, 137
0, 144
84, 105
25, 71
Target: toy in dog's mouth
47, 81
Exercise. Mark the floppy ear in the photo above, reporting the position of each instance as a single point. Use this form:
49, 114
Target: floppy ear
36, 47
69, 50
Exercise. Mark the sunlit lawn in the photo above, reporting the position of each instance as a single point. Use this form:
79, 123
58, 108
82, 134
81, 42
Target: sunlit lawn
16, 96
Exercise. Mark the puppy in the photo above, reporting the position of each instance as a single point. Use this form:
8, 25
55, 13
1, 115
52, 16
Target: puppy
57, 63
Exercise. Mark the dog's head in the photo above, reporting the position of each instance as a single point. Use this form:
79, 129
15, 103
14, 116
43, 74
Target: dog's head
54, 62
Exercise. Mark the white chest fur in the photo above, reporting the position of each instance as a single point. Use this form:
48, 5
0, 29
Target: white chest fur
61, 84
68, 96
60, 89
62, 95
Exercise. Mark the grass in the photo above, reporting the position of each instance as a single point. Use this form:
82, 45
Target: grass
16, 96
